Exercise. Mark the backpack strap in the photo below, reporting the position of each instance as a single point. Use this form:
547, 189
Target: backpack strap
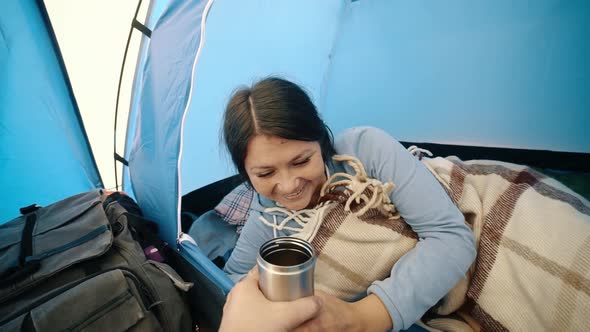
24, 267
29, 209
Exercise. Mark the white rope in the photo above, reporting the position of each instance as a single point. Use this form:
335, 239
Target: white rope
418, 152
362, 190
357, 185
301, 217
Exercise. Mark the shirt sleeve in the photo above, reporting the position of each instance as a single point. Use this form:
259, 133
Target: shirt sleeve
253, 235
446, 247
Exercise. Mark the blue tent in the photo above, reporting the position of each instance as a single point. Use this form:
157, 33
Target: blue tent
484, 74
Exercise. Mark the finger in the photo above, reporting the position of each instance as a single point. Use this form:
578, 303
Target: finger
248, 285
254, 273
301, 310
251, 278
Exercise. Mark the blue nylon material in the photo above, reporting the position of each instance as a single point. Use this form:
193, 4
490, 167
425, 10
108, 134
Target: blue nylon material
154, 12
246, 41
153, 156
195, 256
44, 156
487, 73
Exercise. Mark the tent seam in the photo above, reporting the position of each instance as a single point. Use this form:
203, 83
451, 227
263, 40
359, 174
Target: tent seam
188, 103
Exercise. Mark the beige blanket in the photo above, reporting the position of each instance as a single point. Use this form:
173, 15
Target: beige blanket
532, 271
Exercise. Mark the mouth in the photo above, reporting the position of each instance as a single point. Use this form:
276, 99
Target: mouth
297, 194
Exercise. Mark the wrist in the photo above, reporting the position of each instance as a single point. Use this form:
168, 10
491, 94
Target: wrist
372, 315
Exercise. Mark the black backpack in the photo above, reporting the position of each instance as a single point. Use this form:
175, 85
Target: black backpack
75, 266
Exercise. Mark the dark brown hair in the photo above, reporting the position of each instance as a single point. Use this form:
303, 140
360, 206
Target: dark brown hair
274, 107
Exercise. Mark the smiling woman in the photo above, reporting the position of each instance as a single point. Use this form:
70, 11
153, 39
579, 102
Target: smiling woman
278, 141
289, 172
284, 150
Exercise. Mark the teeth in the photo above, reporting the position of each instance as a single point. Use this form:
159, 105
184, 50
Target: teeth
295, 194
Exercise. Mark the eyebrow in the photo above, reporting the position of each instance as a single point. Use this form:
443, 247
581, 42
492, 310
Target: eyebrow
299, 156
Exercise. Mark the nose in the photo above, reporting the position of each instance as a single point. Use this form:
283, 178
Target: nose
287, 183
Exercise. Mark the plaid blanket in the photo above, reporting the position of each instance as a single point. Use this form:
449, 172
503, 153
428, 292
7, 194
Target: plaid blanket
234, 208
355, 230
532, 270
532, 233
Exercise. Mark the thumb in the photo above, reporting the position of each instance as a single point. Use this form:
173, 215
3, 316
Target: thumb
301, 310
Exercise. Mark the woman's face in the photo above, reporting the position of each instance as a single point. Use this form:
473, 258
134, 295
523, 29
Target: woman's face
288, 172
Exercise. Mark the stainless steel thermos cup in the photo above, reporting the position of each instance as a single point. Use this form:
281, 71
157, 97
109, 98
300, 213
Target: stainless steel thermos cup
286, 266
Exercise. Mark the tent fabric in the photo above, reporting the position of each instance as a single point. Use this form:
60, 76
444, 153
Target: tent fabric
463, 72
155, 10
246, 41
165, 92
485, 73
423, 72
197, 258
44, 152
93, 54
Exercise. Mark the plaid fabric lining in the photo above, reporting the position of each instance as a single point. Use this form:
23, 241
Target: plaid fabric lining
234, 208
532, 267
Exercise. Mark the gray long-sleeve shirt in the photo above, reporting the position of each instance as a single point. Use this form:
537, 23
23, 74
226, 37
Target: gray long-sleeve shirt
445, 249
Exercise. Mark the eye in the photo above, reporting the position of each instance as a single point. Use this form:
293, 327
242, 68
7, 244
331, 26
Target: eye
301, 162
264, 175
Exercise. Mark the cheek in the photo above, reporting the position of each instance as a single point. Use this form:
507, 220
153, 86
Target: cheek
261, 186
319, 170
313, 173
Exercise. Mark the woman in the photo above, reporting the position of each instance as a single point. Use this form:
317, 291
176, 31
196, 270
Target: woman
281, 146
